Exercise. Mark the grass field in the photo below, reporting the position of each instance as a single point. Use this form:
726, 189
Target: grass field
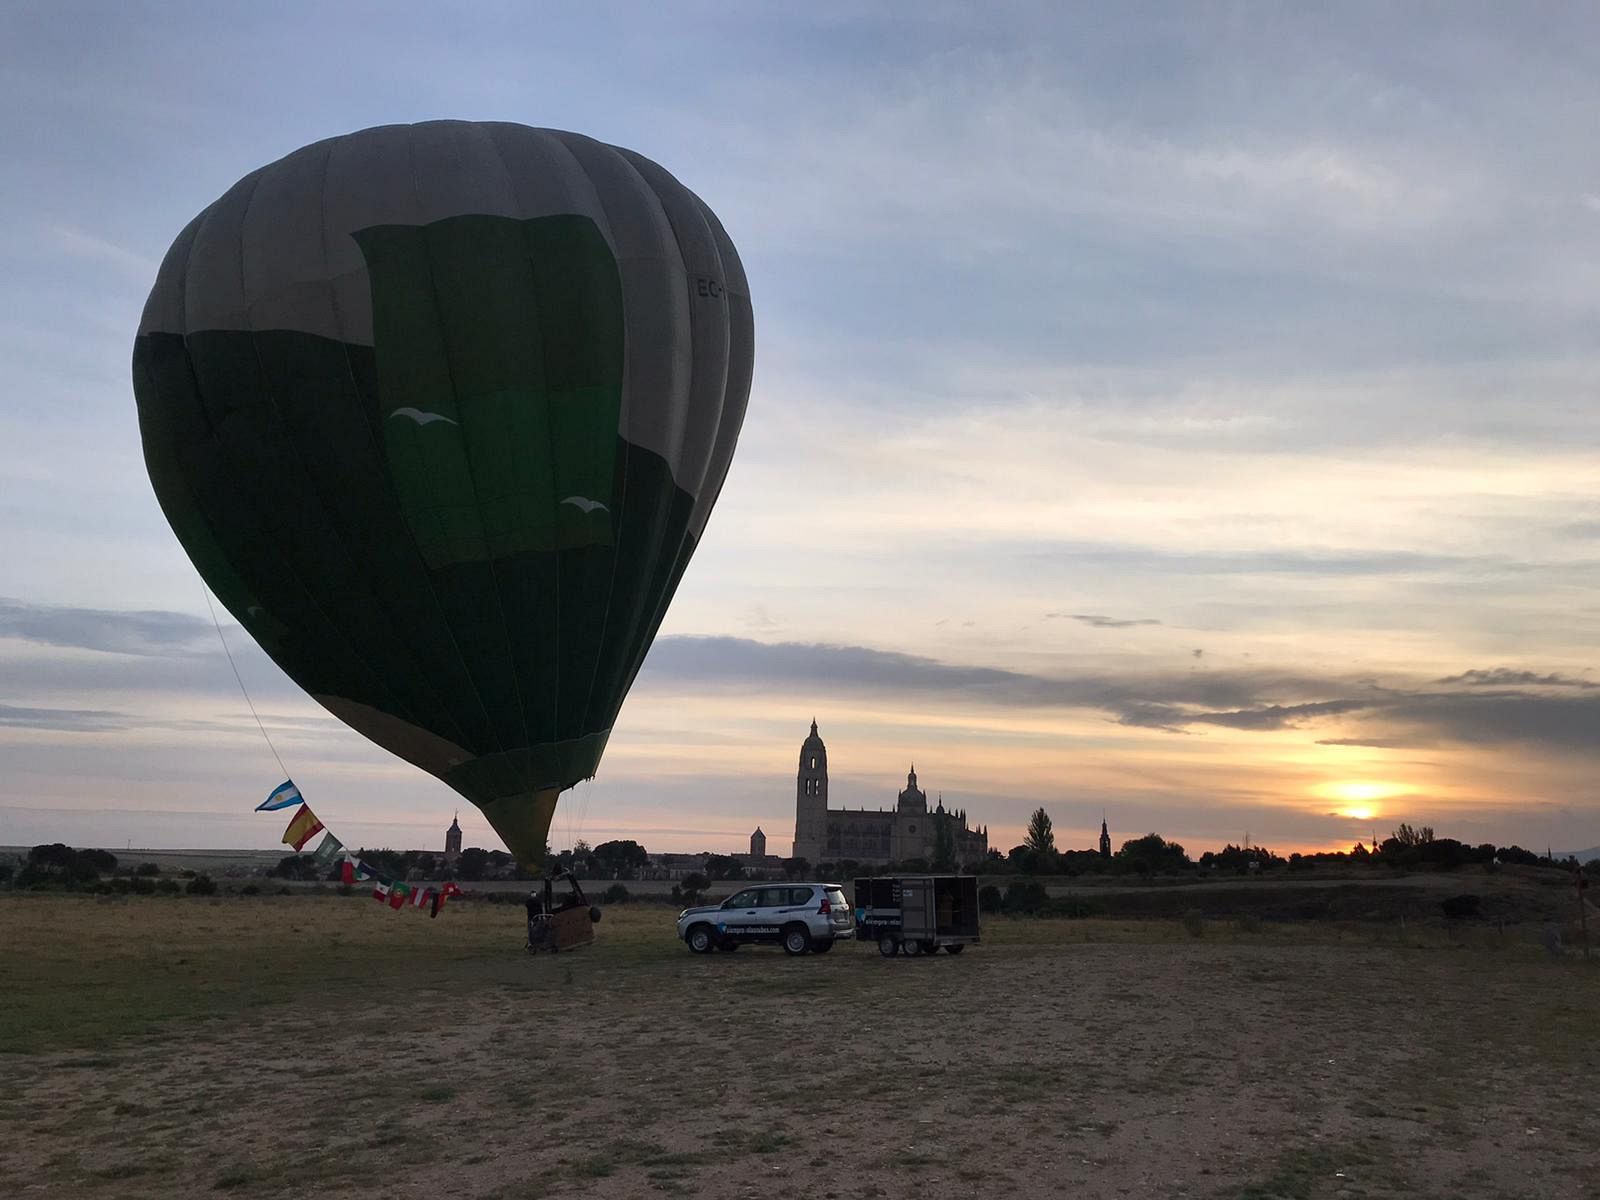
300, 1046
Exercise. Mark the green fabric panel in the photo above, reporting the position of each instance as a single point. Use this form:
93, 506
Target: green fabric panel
500, 351
266, 454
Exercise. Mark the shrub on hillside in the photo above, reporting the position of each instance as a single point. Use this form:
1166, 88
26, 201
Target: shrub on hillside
1194, 923
202, 885
616, 894
989, 898
147, 868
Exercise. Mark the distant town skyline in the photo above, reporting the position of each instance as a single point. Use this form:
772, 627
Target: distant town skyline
1187, 415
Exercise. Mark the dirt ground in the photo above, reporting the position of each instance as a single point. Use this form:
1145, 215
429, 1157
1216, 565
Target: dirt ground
324, 1046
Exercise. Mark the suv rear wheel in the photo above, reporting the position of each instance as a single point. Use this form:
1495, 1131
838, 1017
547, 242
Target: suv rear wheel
700, 939
821, 947
796, 939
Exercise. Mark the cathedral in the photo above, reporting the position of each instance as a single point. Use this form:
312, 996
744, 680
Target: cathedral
909, 830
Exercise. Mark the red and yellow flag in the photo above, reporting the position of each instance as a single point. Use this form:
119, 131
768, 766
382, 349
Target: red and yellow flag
302, 828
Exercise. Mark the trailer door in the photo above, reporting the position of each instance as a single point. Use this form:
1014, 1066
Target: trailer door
916, 909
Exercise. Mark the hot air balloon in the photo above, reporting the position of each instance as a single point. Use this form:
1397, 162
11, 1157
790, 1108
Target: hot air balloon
439, 412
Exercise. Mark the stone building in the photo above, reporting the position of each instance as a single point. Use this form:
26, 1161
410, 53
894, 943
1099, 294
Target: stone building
909, 830
452, 842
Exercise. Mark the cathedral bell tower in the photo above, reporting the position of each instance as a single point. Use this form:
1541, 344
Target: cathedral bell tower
811, 799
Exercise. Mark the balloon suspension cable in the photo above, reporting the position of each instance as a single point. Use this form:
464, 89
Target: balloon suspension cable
206, 592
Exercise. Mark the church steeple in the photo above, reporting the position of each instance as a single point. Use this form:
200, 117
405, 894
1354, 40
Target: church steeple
1105, 838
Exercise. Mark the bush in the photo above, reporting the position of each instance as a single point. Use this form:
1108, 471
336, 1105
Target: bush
1024, 897
1248, 923
202, 885
147, 869
1462, 907
167, 887
1194, 923
989, 898
142, 885
250, 889
616, 894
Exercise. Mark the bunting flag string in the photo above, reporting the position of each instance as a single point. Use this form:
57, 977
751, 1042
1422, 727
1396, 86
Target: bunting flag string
305, 825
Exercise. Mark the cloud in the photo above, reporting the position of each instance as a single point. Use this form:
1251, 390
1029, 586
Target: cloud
1506, 677
1103, 622
1279, 716
64, 720
139, 633
1376, 743
81, 244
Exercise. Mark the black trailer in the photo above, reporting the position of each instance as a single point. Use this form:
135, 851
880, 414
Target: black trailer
916, 914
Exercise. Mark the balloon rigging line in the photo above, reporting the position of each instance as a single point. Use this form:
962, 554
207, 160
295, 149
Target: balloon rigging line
206, 592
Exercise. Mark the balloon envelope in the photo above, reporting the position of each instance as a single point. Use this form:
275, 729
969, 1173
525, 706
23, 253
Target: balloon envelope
439, 412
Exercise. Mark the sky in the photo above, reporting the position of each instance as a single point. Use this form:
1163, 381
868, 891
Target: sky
1182, 412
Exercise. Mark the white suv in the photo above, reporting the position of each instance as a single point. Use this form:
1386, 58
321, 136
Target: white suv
799, 916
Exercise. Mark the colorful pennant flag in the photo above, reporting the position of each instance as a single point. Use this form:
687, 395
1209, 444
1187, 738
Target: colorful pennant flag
365, 872
347, 870
420, 897
380, 891
328, 850
302, 828
397, 894
449, 889
285, 795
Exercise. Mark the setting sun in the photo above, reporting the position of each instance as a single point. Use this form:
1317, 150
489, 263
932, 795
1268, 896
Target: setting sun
1357, 796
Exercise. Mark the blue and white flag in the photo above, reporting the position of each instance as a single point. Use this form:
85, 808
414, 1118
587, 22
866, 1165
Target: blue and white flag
285, 795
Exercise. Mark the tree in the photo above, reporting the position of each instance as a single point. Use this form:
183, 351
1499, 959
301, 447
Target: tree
796, 868
1150, 855
296, 866
621, 859
1408, 836
724, 866
474, 861
1041, 838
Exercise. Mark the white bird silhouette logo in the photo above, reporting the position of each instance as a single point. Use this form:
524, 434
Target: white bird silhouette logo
420, 417
585, 504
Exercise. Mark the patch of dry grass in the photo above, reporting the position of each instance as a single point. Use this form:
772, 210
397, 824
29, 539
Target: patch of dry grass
319, 1045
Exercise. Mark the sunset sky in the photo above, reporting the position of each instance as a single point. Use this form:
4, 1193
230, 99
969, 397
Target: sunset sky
1190, 415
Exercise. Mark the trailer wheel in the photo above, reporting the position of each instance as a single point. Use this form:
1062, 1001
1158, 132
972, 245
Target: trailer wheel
700, 939
887, 946
930, 947
955, 948
796, 940
912, 949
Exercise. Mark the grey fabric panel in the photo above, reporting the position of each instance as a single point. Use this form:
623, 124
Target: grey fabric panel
283, 268
708, 322
214, 296
277, 252
545, 177
741, 363
655, 296
163, 309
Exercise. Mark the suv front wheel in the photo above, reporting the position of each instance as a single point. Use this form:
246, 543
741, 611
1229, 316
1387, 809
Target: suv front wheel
700, 939
796, 939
